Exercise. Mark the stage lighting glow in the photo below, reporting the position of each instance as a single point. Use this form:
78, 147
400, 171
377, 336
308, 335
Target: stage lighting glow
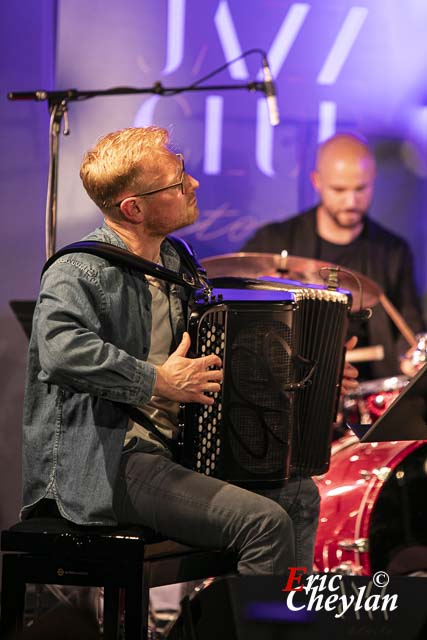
342, 45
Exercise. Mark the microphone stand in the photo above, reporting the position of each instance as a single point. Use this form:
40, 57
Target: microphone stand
58, 109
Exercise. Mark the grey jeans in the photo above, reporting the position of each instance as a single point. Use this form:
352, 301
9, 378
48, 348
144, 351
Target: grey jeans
201, 511
300, 499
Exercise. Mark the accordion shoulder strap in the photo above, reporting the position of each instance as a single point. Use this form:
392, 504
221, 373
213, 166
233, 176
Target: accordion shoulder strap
190, 261
122, 257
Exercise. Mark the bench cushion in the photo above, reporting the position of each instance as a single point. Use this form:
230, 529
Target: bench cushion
56, 536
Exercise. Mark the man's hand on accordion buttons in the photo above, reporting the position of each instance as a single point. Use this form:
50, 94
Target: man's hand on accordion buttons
349, 377
189, 379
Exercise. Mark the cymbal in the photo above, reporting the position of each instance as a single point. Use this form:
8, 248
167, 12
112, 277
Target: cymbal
366, 293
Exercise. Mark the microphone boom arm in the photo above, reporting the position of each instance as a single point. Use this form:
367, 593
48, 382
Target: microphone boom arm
157, 88
57, 102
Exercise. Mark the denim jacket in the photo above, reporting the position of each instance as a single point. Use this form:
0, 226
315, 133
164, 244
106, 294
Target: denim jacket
88, 350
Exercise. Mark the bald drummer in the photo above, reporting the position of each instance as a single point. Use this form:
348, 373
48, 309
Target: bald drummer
339, 230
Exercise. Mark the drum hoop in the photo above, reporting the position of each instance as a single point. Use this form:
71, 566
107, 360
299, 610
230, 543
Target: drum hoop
364, 499
340, 446
375, 486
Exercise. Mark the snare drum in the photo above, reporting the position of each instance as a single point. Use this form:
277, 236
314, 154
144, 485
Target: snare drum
371, 399
372, 503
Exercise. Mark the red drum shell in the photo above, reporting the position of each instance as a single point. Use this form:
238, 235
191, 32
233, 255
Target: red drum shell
349, 493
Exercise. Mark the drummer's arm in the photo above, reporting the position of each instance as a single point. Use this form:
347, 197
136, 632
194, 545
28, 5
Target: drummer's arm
349, 377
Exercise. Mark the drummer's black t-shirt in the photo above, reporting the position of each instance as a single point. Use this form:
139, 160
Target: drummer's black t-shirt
348, 256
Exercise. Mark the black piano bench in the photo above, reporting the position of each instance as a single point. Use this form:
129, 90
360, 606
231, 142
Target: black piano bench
130, 559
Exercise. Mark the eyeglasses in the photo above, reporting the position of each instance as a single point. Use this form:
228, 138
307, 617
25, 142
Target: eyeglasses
171, 186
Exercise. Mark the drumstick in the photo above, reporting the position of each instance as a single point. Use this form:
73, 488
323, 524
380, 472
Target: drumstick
400, 323
365, 354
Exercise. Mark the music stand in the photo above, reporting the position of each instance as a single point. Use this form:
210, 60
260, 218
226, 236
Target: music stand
24, 310
404, 419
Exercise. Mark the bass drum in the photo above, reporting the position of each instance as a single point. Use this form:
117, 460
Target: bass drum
373, 504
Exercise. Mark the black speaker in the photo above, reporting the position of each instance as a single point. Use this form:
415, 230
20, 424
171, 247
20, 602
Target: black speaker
336, 607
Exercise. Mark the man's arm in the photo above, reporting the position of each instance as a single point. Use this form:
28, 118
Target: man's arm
73, 354
70, 321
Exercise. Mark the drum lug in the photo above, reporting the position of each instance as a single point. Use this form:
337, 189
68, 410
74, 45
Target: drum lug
382, 473
361, 545
347, 569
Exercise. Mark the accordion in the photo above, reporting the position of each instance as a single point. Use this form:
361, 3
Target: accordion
282, 348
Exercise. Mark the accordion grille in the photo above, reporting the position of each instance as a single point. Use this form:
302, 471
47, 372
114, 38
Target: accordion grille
244, 437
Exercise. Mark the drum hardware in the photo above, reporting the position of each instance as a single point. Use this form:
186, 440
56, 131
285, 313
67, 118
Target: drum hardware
307, 270
369, 401
379, 400
365, 417
420, 354
415, 358
295, 268
361, 545
400, 476
382, 473
346, 569
332, 281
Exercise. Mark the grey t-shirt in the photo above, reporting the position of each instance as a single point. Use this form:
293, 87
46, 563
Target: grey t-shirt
163, 413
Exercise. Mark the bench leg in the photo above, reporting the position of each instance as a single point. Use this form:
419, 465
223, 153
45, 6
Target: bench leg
12, 596
136, 620
111, 612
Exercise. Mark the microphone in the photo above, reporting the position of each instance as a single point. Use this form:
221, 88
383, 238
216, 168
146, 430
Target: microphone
270, 93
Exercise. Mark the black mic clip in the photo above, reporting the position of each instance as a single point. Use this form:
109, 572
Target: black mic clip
362, 314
